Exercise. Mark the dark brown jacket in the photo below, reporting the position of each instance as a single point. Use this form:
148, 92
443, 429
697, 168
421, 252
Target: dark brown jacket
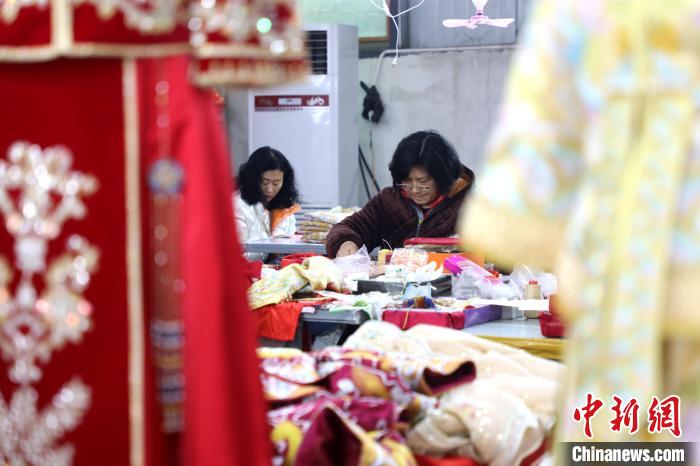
390, 217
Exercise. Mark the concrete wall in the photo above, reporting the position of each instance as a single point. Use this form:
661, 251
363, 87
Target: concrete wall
237, 124
456, 93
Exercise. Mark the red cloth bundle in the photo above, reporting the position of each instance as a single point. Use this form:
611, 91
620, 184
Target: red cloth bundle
551, 326
407, 318
447, 461
279, 321
432, 241
296, 258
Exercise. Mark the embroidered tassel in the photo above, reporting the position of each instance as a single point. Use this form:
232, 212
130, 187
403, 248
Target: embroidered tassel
165, 181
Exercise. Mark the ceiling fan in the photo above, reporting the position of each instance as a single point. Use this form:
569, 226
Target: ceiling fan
478, 19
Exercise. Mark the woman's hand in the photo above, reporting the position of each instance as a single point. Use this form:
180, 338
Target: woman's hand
348, 248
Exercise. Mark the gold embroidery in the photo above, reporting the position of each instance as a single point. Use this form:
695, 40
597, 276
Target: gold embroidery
61, 25
222, 72
146, 16
237, 20
9, 9
238, 51
38, 193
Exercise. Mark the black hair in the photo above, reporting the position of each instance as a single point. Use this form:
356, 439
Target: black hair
427, 149
250, 175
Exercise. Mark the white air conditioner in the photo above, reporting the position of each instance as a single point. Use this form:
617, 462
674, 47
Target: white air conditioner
313, 123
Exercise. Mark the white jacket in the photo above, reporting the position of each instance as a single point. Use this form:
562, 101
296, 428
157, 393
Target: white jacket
253, 222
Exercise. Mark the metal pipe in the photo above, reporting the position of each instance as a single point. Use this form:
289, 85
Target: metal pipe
437, 50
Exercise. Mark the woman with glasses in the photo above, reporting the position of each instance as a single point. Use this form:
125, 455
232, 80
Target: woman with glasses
429, 185
267, 198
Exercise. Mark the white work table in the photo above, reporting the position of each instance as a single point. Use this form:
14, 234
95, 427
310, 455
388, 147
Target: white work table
523, 334
283, 246
515, 328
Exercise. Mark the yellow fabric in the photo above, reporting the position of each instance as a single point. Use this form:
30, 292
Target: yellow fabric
548, 348
597, 170
318, 272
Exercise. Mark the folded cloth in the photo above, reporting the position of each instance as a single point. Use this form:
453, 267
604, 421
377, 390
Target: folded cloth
429, 376
316, 224
333, 216
303, 229
319, 272
279, 321
315, 236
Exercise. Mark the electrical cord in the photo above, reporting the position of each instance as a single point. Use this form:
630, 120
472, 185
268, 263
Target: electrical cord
372, 111
362, 172
363, 160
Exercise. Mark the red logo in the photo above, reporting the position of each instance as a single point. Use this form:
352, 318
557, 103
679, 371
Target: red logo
590, 410
665, 415
662, 415
627, 416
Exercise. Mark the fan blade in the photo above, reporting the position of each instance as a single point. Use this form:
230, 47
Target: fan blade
457, 23
500, 22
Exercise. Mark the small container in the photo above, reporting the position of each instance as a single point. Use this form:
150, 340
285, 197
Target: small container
383, 257
492, 269
533, 290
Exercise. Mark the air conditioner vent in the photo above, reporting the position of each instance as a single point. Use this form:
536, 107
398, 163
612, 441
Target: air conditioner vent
317, 48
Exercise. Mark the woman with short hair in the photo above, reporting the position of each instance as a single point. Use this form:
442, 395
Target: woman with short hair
429, 185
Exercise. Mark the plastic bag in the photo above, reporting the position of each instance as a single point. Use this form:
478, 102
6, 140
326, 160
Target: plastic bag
464, 286
496, 289
475, 281
414, 290
522, 275
471, 279
409, 258
425, 273
355, 265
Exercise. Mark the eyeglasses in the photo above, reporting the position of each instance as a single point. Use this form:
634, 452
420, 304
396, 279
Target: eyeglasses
419, 188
